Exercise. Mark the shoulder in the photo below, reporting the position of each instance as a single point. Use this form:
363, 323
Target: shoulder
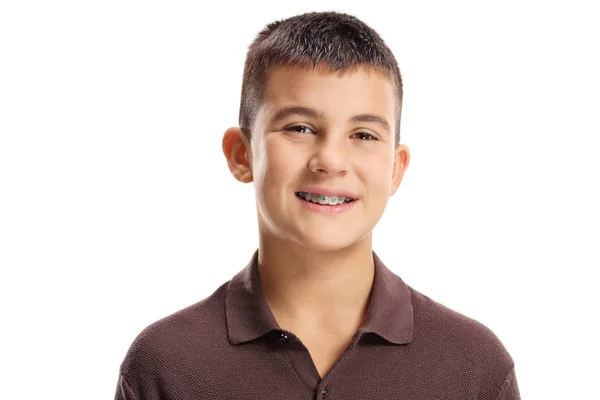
172, 338
458, 341
445, 324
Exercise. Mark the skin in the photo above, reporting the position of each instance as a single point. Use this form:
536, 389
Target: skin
316, 270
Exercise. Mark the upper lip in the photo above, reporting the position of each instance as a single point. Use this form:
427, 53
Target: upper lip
329, 191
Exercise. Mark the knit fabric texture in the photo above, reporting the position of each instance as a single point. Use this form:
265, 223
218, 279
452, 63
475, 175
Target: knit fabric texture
229, 346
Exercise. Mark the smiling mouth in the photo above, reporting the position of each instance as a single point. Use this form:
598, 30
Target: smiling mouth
324, 200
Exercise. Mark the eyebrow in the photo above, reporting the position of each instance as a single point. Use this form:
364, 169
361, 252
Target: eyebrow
373, 118
312, 113
285, 112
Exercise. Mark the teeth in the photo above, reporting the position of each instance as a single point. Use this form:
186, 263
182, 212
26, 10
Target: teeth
320, 199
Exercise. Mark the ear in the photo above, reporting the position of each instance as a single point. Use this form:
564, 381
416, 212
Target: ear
401, 161
236, 148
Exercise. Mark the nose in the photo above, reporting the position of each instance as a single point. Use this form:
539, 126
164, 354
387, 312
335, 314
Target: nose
330, 156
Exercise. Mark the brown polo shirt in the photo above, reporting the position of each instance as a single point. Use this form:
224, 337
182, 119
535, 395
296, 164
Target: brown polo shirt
229, 346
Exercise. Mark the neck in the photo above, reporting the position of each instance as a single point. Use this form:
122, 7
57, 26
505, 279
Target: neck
326, 289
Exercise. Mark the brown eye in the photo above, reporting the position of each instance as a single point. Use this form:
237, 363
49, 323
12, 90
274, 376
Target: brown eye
365, 136
299, 129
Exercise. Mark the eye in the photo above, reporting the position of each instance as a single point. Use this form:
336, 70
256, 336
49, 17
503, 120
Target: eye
298, 129
365, 136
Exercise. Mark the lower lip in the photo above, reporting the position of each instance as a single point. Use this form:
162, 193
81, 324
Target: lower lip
326, 209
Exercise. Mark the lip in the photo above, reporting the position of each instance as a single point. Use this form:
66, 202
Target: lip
329, 191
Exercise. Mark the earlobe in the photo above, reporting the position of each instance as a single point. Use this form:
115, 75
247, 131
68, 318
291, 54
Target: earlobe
236, 149
401, 161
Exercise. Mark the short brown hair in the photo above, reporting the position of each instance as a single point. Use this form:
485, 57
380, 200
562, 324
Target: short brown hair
337, 41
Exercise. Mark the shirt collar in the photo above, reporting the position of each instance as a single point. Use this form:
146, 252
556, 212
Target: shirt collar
389, 314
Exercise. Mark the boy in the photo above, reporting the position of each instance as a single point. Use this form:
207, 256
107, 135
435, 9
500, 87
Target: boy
316, 314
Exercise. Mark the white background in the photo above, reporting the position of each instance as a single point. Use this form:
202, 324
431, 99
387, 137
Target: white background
117, 206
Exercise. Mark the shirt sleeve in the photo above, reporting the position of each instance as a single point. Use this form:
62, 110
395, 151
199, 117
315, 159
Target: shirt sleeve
510, 388
123, 391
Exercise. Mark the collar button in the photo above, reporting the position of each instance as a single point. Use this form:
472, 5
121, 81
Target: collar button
283, 338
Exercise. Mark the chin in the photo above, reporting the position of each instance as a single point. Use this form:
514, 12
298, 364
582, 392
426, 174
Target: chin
328, 244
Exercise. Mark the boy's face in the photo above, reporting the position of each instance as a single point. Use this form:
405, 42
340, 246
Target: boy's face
336, 139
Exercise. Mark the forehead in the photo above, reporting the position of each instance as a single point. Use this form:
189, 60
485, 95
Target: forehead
333, 93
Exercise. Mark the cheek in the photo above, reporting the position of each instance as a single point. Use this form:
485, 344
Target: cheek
377, 173
278, 165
